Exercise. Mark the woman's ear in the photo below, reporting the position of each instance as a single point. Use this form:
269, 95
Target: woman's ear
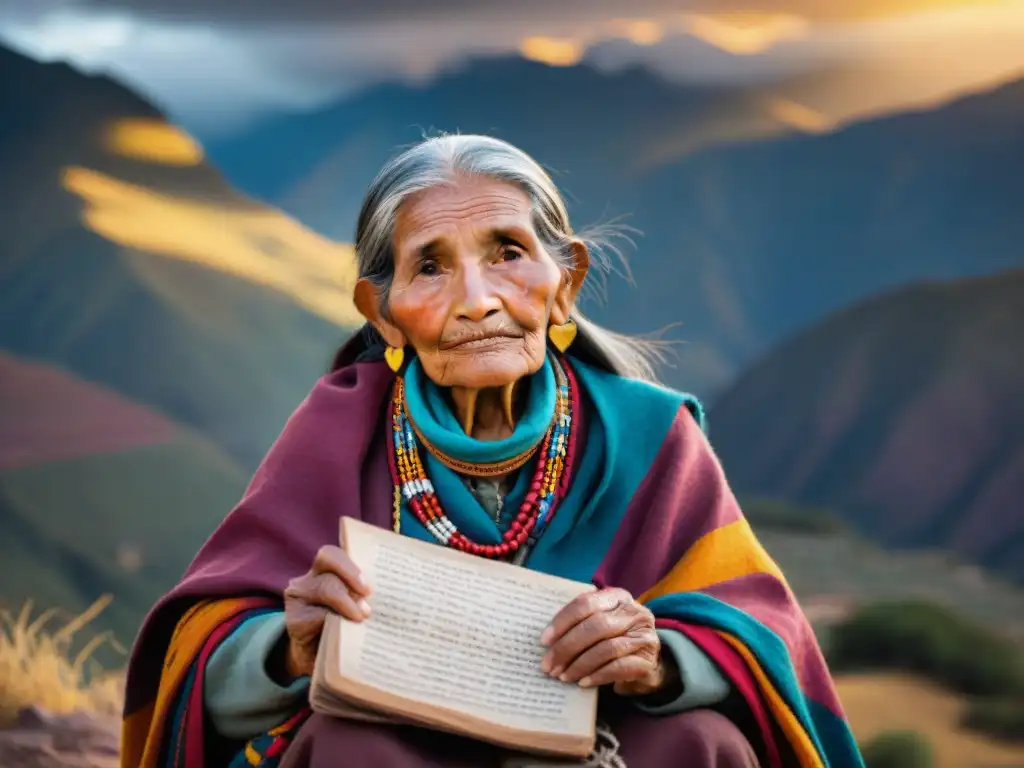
572, 281
369, 304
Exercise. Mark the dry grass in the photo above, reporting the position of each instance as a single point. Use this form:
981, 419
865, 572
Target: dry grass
896, 702
39, 665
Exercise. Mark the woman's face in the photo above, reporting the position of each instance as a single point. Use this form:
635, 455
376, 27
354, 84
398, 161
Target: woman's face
474, 289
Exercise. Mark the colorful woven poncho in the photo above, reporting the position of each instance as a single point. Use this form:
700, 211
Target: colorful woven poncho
648, 510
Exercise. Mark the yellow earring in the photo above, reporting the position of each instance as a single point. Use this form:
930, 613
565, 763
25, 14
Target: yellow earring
394, 356
563, 335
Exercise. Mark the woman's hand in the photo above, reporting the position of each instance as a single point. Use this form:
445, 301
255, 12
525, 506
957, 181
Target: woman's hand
607, 637
334, 584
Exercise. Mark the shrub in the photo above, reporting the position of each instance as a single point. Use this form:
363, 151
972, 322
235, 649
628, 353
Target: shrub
898, 749
1002, 718
38, 667
784, 516
932, 641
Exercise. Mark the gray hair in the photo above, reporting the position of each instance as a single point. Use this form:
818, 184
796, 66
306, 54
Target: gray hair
437, 161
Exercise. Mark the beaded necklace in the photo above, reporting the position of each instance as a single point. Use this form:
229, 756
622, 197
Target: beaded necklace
549, 483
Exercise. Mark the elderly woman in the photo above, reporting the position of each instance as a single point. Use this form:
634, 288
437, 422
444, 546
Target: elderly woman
478, 409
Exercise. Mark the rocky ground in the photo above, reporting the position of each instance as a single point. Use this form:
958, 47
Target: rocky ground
39, 739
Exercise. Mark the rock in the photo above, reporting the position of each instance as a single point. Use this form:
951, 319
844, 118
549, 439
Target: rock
41, 739
33, 718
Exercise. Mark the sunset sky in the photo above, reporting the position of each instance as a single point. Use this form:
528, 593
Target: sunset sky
217, 63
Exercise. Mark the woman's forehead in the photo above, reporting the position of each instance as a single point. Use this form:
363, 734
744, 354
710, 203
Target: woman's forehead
474, 202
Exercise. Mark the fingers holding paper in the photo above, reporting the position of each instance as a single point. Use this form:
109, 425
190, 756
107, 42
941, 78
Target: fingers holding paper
332, 584
606, 637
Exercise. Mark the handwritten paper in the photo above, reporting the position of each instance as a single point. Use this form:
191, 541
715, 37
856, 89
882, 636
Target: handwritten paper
462, 634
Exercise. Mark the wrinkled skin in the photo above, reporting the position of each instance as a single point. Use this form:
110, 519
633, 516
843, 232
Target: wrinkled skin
606, 637
333, 583
474, 288
473, 294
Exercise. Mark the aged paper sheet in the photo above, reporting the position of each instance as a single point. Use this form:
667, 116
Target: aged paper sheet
461, 634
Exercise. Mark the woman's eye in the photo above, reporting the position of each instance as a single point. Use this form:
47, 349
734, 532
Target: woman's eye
428, 268
511, 254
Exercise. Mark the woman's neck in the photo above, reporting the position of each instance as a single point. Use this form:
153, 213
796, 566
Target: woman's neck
490, 413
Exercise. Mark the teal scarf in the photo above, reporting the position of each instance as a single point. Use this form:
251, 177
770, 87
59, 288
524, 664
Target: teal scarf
434, 417
624, 428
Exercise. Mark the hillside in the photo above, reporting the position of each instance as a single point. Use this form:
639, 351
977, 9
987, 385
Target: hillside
876, 703
742, 244
156, 330
902, 413
127, 260
99, 495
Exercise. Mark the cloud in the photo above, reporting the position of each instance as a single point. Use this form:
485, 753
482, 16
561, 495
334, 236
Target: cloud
300, 12
851, 68
217, 63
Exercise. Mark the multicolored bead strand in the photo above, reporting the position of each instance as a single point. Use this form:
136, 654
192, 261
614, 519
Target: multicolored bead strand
548, 482
574, 408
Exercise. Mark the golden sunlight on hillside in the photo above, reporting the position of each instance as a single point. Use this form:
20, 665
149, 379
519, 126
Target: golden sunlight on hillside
258, 244
799, 117
894, 55
885, 702
153, 141
638, 31
746, 34
555, 51
735, 33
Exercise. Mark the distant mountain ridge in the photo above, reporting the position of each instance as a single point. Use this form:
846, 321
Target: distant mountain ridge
903, 413
741, 244
551, 109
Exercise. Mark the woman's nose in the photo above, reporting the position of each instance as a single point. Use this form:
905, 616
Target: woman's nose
476, 299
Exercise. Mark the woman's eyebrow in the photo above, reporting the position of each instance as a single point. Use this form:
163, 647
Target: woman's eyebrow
508, 235
428, 250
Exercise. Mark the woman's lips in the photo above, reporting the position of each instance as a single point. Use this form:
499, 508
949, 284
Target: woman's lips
480, 341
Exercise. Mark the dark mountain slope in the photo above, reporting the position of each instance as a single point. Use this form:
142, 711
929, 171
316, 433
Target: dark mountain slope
904, 413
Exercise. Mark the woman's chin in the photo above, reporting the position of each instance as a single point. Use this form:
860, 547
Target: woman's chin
482, 375
491, 367
484, 379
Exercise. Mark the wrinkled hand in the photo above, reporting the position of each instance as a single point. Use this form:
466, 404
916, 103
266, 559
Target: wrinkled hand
333, 584
606, 637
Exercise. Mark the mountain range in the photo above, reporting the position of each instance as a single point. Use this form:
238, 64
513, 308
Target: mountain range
129, 261
740, 245
156, 330
164, 308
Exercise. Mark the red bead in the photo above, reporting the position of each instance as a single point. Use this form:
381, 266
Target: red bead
514, 545
522, 517
503, 549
